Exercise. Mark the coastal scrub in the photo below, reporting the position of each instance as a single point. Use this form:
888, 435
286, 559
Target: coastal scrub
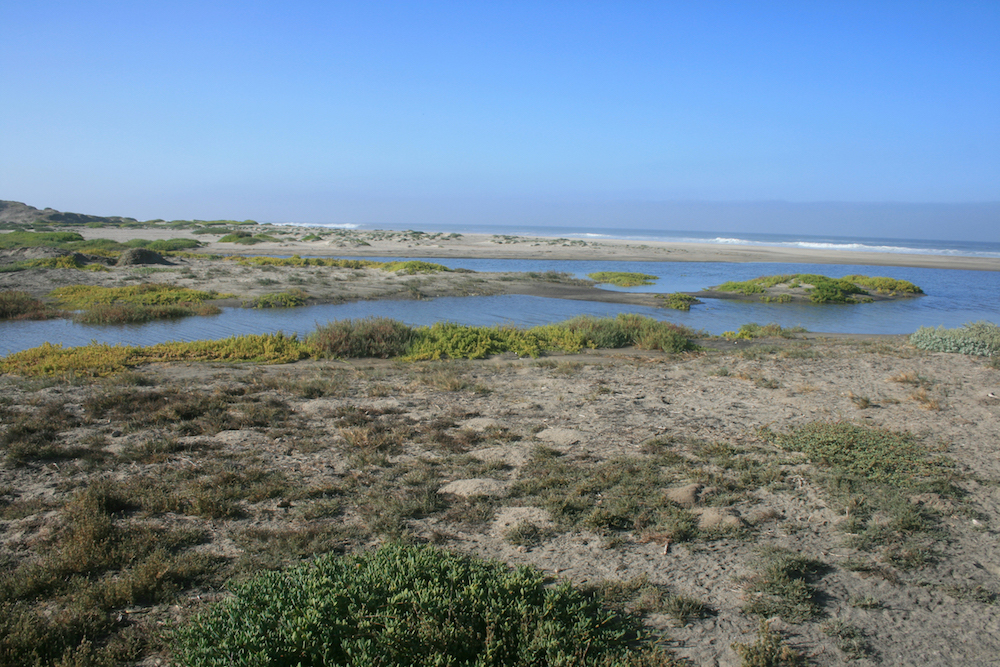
622, 278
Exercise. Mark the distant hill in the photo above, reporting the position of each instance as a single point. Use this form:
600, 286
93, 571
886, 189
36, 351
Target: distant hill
15, 212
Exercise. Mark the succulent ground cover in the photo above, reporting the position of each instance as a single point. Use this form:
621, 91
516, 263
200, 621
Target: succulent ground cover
730, 515
820, 289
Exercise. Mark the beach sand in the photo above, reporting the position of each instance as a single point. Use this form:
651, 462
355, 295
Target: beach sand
403, 244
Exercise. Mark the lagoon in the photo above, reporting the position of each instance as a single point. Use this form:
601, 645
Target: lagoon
953, 298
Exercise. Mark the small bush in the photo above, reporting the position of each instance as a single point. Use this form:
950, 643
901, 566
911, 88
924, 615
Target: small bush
15, 305
768, 651
402, 605
369, 337
753, 330
679, 301
291, 299
975, 338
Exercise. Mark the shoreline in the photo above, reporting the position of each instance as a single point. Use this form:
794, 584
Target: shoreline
353, 243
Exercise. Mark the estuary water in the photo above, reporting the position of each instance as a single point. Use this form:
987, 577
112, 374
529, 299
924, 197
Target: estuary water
953, 297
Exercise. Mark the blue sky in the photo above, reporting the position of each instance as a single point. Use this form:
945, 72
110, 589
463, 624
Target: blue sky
556, 113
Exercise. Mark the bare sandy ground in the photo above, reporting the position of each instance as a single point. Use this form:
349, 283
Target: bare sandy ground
493, 417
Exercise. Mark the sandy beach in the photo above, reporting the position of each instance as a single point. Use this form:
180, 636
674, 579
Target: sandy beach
402, 244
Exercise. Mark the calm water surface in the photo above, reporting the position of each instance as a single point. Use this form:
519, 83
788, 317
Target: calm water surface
953, 298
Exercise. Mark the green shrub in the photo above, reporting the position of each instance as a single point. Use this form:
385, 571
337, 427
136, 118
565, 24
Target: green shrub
823, 288
19, 239
130, 313
457, 341
99, 359
630, 329
622, 279
368, 337
290, 299
679, 301
403, 605
976, 338
149, 294
413, 267
753, 330
164, 245
16, 305
884, 285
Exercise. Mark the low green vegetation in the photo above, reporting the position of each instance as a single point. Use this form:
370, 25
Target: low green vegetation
874, 475
165, 245
413, 267
679, 301
403, 605
782, 586
622, 278
368, 337
75, 242
883, 285
98, 359
753, 330
134, 303
146, 294
821, 289
380, 337
769, 650
246, 238
16, 305
408, 268
975, 338
290, 299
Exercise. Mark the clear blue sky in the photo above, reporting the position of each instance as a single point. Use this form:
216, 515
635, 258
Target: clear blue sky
472, 112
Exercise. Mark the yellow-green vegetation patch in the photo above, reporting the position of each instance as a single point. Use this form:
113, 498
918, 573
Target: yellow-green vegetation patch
17, 305
883, 285
132, 313
622, 278
456, 341
413, 267
147, 294
290, 299
819, 288
753, 330
99, 359
679, 301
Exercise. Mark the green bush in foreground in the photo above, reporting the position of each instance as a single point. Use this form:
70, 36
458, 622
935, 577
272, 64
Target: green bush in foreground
976, 338
405, 605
